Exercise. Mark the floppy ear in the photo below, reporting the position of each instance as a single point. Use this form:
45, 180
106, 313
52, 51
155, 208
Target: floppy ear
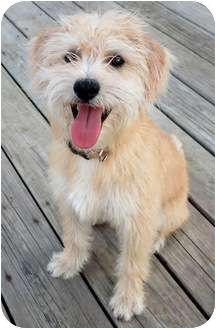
37, 46
158, 61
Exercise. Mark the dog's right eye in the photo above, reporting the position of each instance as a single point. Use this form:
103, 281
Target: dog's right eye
117, 61
70, 57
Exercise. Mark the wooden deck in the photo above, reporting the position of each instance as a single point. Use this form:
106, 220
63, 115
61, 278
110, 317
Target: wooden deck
181, 287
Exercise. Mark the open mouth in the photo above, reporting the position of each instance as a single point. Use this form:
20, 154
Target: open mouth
87, 124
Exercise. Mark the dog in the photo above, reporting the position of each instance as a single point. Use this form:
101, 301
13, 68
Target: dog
99, 75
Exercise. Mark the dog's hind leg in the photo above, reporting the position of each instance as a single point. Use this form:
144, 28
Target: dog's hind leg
175, 215
77, 241
174, 211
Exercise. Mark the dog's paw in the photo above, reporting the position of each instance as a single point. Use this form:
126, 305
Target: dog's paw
62, 265
124, 306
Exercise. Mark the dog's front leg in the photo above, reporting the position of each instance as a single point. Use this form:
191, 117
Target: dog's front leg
137, 238
77, 243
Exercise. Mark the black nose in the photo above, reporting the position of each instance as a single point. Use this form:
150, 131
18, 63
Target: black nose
86, 89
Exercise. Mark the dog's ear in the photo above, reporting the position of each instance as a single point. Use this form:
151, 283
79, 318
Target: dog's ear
37, 45
158, 61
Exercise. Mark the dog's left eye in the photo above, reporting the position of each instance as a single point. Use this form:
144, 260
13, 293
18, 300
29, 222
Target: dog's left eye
117, 61
70, 57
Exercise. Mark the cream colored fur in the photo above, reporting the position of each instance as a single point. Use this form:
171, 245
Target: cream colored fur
141, 189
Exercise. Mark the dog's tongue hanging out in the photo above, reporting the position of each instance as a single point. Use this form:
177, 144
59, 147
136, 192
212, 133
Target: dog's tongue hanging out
86, 127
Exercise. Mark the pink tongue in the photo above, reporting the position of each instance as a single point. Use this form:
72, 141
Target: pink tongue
85, 129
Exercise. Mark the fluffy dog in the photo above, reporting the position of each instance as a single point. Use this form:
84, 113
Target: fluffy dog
99, 75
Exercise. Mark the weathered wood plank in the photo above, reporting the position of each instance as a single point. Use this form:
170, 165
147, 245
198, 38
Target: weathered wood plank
32, 134
176, 255
58, 8
63, 7
14, 50
30, 128
202, 177
35, 299
184, 32
194, 12
190, 68
193, 113
202, 248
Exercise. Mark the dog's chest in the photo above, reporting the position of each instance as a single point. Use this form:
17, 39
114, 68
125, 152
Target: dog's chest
90, 203
81, 195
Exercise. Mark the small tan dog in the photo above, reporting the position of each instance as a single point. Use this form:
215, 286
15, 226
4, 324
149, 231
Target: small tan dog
99, 75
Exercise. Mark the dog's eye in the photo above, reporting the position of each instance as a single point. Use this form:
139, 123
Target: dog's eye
70, 57
117, 61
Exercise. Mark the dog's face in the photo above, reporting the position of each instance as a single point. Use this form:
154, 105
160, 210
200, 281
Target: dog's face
97, 73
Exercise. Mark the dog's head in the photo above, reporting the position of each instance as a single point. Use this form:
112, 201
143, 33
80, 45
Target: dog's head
97, 72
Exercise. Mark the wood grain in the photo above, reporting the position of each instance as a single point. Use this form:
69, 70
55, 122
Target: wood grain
36, 299
179, 29
194, 12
